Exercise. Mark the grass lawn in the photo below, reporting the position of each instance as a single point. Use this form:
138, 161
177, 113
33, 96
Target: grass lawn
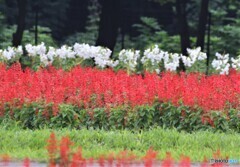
19, 144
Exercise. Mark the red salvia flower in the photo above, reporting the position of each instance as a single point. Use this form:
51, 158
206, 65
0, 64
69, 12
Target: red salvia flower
150, 157
185, 161
110, 159
5, 158
26, 162
78, 160
168, 161
65, 144
52, 149
101, 161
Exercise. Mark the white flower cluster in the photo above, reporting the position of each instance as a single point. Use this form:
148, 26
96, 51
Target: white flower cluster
100, 55
155, 55
221, 63
11, 52
36, 50
129, 58
65, 52
153, 58
171, 61
236, 63
194, 55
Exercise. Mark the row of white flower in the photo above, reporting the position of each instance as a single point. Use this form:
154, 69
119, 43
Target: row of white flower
153, 59
84, 51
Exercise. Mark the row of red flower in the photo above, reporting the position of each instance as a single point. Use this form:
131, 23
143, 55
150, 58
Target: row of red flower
97, 88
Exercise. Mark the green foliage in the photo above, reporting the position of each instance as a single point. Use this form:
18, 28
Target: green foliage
68, 63
6, 33
225, 26
165, 115
44, 35
28, 36
66, 117
226, 39
151, 34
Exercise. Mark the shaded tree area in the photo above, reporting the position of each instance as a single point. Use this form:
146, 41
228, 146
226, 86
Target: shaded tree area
184, 22
118, 17
66, 17
203, 17
183, 25
63, 17
22, 10
77, 12
109, 23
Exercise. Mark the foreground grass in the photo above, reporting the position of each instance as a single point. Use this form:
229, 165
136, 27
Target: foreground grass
19, 144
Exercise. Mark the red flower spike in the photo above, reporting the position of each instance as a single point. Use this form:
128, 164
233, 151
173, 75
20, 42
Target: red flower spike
150, 157
185, 161
78, 160
26, 162
5, 159
205, 163
110, 159
168, 161
52, 148
65, 144
101, 161
90, 161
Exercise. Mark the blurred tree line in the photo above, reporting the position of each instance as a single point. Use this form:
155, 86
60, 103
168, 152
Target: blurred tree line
173, 24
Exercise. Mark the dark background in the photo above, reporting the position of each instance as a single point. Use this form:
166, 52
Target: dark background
174, 25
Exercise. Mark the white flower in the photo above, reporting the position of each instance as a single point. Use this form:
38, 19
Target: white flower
222, 56
157, 71
112, 63
51, 53
19, 50
44, 60
30, 49
129, 58
216, 64
187, 61
41, 49
194, 55
36, 50
102, 56
202, 56
172, 63
225, 70
236, 63
83, 50
154, 55
99, 54
221, 63
65, 52
9, 53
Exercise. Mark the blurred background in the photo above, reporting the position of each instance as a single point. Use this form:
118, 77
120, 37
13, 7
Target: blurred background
172, 24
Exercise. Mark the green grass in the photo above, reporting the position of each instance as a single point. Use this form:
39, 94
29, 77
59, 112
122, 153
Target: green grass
27, 143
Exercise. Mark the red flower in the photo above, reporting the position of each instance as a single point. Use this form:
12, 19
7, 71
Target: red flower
52, 149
